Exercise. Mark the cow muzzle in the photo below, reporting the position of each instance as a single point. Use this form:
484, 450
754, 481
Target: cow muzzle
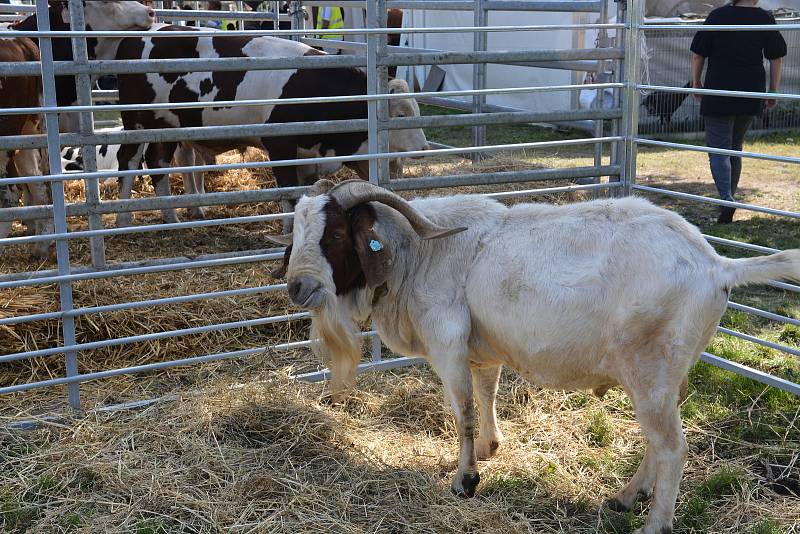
306, 292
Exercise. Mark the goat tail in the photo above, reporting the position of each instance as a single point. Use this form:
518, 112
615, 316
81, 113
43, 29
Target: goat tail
760, 270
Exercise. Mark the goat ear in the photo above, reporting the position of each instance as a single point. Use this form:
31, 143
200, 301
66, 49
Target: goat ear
374, 254
280, 272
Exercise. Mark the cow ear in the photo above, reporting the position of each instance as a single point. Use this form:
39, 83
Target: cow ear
374, 253
398, 85
280, 272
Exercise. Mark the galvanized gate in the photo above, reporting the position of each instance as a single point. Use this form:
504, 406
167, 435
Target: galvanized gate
615, 62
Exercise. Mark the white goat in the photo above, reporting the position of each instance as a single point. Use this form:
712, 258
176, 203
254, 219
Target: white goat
581, 296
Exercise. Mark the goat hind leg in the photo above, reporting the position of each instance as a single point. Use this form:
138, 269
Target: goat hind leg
659, 417
484, 387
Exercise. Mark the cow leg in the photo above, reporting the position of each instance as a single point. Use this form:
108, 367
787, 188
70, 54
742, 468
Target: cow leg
284, 149
159, 155
484, 387
396, 168
38, 194
128, 157
186, 157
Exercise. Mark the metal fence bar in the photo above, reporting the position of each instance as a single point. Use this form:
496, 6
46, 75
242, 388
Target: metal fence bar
759, 341
762, 313
84, 92
501, 177
722, 151
227, 64
312, 100
634, 16
141, 270
188, 225
286, 192
311, 31
13, 357
720, 92
707, 200
59, 210
120, 266
183, 299
382, 365
479, 44
718, 28
749, 372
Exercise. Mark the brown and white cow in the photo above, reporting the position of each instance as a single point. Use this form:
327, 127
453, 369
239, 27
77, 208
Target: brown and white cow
250, 85
100, 16
22, 92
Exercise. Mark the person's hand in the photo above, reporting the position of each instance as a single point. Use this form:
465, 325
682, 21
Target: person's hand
697, 97
771, 102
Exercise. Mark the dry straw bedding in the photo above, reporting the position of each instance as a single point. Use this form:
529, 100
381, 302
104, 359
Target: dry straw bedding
275, 457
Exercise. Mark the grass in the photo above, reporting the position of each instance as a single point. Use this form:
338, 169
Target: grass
269, 455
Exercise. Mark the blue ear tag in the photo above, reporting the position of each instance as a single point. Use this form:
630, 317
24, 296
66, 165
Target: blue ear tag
375, 245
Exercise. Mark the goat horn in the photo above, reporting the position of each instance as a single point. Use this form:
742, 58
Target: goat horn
320, 187
351, 193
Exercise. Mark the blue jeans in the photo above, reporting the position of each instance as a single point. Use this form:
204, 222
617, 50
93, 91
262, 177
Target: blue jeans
726, 132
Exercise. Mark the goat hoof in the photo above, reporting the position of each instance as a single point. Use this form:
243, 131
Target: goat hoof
615, 505
466, 488
485, 449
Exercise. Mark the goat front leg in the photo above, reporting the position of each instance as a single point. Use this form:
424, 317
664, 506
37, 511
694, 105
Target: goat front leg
484, 387
455, 374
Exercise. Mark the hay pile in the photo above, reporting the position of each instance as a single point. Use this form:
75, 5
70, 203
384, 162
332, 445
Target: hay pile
272, 457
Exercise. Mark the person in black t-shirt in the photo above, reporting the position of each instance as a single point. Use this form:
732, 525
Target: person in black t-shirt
735, 63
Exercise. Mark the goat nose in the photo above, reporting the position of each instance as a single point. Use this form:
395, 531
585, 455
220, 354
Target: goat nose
304, 291
151, 13
294, 288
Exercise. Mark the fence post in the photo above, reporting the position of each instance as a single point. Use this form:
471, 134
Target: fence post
479, 40
616, 148
298, 17
57, 189
377, 112
630, 105
600, 77
84, 88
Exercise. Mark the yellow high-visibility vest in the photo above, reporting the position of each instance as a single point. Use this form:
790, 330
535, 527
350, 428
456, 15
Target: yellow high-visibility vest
336, 23
227, 22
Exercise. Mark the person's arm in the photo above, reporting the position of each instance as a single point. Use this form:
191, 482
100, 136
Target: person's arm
775, 67
698, 62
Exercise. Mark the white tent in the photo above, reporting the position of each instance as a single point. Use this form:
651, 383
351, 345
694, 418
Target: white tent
459, 77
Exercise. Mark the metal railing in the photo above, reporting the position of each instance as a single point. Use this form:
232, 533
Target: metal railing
613, 175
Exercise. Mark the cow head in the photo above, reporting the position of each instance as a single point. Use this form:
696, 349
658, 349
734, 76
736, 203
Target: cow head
109, 15
404, 140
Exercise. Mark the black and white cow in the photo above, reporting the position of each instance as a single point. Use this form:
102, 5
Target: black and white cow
258, 84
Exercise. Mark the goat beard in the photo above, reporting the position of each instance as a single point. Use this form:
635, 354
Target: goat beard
337, 342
